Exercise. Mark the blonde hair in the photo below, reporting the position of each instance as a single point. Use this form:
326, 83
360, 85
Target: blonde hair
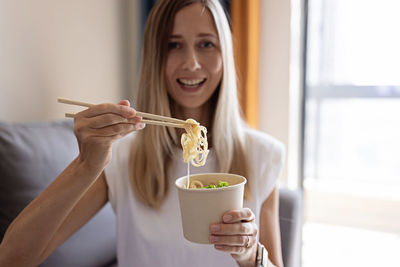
152, 148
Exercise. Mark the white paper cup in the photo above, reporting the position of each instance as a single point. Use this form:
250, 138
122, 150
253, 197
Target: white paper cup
201, 207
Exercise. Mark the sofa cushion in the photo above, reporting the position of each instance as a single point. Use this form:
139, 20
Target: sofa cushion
32, 155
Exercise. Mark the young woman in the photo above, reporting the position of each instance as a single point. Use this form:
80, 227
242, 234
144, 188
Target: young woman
187, 71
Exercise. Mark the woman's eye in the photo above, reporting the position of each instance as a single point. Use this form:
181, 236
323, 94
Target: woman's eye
207, 44
173, 45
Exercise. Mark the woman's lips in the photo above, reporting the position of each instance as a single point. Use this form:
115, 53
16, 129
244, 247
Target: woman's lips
191, 85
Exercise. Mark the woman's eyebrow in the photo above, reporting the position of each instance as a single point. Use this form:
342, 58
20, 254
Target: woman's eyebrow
175, 36
207, 35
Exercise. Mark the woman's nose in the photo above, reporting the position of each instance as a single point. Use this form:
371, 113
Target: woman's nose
191, 61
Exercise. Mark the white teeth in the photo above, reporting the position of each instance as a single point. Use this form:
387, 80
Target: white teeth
190, 82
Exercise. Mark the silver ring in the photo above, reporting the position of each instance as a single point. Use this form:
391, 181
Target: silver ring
248, 242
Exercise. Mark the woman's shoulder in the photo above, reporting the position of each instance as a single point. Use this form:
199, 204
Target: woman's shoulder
263, 142
265, 156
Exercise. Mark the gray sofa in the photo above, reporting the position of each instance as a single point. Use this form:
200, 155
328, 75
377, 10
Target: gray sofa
33, 154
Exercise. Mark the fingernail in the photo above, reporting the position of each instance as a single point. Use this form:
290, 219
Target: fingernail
227, 218
215, 228
136, 119
141, 125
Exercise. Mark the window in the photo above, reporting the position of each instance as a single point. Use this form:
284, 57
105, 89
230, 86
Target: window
352, 129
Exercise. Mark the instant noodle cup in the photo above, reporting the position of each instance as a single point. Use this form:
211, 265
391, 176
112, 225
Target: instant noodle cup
201, 207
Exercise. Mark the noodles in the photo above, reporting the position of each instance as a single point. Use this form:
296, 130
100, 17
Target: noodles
196, 184
195, 150
194, 143
195, 146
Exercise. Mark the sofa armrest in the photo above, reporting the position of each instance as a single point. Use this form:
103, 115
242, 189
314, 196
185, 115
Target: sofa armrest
291, 221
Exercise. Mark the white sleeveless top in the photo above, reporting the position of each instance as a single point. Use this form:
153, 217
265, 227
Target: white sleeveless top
146, 237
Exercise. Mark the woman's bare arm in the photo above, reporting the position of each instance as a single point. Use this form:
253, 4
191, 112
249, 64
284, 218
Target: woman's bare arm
87, 207
269, 228
50, 218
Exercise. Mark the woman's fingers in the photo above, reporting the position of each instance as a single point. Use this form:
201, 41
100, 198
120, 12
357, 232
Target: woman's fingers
124, 102
237, 234
245, 228
109, 119
104, 128
231, 249
96, 110
234, 216
236, 240
116, 129
108, 134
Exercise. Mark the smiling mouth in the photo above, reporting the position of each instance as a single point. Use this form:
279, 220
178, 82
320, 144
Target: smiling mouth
194, 83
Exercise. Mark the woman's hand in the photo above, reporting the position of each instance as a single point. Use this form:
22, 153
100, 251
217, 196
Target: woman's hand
99, 126
237, 234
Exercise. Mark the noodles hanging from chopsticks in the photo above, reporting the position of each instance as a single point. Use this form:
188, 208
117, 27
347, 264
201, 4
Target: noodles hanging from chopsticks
194, 143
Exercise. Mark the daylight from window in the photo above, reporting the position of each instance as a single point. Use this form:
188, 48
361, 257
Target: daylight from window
351, 166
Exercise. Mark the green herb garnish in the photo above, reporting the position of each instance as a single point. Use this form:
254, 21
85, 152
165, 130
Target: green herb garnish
220, 184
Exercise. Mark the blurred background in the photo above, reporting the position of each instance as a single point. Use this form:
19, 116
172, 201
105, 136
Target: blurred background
323, 76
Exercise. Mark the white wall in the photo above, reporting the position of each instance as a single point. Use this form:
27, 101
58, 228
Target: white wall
280, 63
58, 48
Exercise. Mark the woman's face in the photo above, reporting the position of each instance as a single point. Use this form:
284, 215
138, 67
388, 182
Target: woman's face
194, 60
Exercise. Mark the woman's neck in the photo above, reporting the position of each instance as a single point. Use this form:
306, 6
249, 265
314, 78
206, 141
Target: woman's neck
201, 114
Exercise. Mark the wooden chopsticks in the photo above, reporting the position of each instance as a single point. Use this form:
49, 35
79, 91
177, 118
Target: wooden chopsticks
156, 119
